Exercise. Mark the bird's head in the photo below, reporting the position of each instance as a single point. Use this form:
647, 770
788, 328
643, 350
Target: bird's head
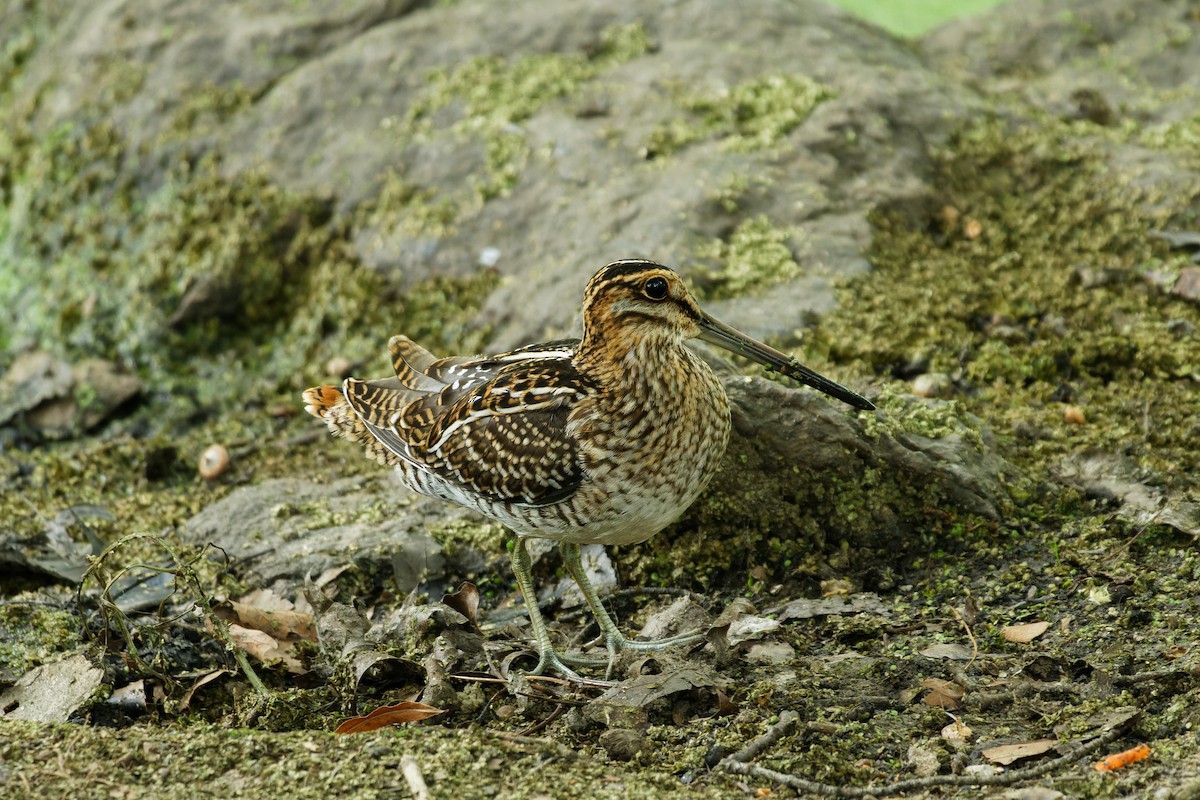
637, 302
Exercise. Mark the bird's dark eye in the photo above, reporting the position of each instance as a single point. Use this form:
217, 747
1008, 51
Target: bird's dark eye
655, 288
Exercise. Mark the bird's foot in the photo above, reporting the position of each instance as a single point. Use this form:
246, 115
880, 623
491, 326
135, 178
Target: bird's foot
657, 644
550, 661
617, 642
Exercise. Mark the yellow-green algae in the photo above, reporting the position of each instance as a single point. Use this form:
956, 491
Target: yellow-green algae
750, 116
496, 94
755, 255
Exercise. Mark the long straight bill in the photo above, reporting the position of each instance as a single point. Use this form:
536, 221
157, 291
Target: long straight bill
718, 333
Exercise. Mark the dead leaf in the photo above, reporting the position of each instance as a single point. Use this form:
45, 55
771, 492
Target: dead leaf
399, 714
51, 692
737, 608
1006, 754
950, 650
957, 734
725, 706
626, 702
804, 608
750, 628
266, 600
942, 694
465, 601
282, 624
266, 648
203, 680
1023, 634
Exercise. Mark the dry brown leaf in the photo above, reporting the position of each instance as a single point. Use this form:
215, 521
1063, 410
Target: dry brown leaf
942, 694
286, 626
201, 681
266, 648
399, 714
1023, 634
1006, 754
266, 600
465, 601
725, 705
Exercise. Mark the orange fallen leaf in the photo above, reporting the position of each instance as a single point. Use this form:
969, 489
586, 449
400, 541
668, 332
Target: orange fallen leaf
398, 714
1006, 754
1023, 634
1123, 759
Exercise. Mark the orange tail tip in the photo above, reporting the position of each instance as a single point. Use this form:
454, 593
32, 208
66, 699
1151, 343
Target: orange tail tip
319, 399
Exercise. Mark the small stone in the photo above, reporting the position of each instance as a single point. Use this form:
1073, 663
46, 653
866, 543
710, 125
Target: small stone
1073, 415
213, 461
713, 755
489, 256
972, 228
933, 384
1181, 328
622, 744
1188, 285
339, 366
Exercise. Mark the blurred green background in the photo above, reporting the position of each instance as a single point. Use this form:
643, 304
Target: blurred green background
914, 17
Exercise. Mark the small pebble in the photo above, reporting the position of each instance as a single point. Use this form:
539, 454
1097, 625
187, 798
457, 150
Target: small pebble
339, 366
972, 228
713, 755
213, 461
1074, 415
489, 256
932, 384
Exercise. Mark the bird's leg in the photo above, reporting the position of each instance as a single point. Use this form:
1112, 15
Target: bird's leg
547, 657
614, 640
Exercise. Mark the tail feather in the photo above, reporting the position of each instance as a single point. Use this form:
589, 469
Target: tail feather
331, 405
411, 363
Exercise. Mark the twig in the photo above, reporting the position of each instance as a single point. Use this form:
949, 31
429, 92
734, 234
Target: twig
971, 636
776, 732
1152, 675
558, 711
412, 774
732, 764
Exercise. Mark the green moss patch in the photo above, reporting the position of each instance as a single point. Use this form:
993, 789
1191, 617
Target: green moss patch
750, 116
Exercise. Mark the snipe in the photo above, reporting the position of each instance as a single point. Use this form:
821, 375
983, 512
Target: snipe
606, 439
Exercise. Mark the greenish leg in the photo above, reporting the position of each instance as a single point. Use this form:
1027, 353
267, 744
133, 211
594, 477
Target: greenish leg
614, 640
547, 657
